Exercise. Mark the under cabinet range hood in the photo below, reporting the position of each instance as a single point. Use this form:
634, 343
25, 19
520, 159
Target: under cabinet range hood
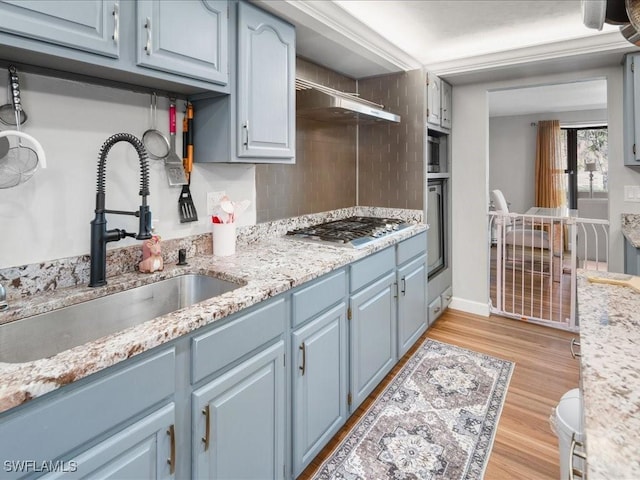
328, 105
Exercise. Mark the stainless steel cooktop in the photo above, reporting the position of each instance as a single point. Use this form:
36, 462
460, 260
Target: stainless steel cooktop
354, 232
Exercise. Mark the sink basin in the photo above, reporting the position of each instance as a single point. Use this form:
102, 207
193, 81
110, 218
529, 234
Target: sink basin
53, 332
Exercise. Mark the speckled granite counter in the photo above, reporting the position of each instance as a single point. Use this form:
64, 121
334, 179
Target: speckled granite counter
265, 264
631, 228
610, 379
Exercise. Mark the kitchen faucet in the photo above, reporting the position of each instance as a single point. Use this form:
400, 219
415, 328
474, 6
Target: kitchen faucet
100, 236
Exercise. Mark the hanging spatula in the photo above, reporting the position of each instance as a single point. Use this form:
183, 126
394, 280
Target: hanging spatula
172, 163
185, 202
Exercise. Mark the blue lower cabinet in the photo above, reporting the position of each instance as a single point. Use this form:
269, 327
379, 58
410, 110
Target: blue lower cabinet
238, 421
319, 373
87, 421
372, 337
144, 450
412, 305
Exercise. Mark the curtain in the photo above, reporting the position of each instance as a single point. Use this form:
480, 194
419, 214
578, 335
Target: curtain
550, 180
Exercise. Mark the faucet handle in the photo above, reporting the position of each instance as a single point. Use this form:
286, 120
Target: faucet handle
118, 234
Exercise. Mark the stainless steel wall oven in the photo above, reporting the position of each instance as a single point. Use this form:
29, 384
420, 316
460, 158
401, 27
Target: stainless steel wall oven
437, 220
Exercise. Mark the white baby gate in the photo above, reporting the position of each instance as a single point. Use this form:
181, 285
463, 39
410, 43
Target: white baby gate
534, 261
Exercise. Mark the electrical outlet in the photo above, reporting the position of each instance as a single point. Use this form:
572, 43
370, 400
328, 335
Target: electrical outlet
213, 199
632, 193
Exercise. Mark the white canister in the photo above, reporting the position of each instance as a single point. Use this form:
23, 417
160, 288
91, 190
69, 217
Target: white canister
224, 239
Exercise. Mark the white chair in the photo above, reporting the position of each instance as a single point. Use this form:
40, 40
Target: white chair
516, 233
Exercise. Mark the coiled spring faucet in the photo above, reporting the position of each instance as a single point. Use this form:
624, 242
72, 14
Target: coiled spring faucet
100, 236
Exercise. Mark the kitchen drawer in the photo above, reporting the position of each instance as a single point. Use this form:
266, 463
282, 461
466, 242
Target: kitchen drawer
369, 269
435, 309
445, 298
73, 416
325, 292
222, 346
411, 247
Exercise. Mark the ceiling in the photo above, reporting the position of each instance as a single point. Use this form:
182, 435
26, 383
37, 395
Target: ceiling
563, 97
463, 41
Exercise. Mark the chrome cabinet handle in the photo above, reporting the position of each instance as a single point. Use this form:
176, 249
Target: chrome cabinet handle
436, 310
573, 343
172, 458
206, 411
116, 23
304, 357
246, 134
404, 286
573, 472
147, 47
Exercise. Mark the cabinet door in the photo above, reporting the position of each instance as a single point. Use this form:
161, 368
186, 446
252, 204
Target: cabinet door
631, 87
372, 337
445, 105
145, 450
434, 97
319, 384
184, 37
266, 85
412, 303
90, 26
631, 259
239, 423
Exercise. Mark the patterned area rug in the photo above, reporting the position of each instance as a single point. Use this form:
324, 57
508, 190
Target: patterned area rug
436, 420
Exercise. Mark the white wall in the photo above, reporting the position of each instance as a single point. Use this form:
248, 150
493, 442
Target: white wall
470, 160
512, 152
48, 216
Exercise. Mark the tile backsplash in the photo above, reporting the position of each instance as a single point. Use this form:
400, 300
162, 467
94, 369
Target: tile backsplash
391, 156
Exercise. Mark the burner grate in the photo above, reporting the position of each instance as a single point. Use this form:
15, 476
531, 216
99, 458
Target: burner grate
353, 231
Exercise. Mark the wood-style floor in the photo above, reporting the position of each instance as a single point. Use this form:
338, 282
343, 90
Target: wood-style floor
524, 447
531, 294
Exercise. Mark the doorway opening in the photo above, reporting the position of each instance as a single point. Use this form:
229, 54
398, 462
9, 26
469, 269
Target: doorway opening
538, 282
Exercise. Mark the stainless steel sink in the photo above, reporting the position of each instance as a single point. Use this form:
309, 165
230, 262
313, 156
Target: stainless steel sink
47, 334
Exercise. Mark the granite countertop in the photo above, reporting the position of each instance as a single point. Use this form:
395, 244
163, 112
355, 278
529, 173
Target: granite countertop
631, 228
609, 376
264, 268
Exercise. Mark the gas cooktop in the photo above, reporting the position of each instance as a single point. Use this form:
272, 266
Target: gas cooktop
355, 232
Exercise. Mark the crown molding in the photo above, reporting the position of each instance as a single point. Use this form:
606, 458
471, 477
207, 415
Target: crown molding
611, 42
333, 22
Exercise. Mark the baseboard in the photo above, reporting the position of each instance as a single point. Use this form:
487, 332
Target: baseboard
468, 306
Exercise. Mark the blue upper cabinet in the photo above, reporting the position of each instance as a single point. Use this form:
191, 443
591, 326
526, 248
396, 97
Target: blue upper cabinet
90, 26
631, 110
266, 85
184, 37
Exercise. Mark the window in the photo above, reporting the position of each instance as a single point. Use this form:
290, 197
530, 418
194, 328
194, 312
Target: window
585, 154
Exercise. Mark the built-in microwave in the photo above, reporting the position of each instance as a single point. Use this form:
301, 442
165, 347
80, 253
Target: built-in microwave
436, 154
